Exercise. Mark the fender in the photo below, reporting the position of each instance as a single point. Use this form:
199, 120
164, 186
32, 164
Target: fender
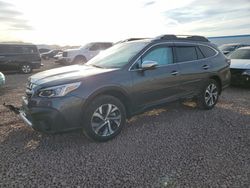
115, 91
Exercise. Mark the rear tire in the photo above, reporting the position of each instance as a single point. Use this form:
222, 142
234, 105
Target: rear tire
26, 68
209, 95
104, 118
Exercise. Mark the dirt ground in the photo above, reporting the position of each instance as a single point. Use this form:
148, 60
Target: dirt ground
175, 146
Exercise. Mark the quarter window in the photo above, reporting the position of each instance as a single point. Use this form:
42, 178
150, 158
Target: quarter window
208, 52
162, 55
186, 53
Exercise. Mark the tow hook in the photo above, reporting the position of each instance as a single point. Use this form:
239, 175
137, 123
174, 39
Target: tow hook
12, 108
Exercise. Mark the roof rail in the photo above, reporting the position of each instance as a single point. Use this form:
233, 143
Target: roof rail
133, 39
129, 39
183, 37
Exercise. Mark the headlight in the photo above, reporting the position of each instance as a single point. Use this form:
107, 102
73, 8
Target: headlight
58, 91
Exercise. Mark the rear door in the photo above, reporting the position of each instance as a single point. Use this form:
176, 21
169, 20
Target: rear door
157, 85
193, 67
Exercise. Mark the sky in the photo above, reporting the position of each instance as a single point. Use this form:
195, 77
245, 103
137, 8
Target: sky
76, 22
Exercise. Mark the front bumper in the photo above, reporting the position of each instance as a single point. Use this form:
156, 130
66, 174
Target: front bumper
64, 60
240, 77
51, 115
25, 119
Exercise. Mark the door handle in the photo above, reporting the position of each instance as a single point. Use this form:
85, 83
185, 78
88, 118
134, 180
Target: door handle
205, 67
174, 73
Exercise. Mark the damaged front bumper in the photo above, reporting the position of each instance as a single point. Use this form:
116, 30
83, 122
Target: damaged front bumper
50, 115
25, 119
20, 112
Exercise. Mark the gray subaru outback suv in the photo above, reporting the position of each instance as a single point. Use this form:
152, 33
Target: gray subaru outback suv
125, 80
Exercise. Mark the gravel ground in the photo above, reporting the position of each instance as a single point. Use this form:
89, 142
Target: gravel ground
175, 146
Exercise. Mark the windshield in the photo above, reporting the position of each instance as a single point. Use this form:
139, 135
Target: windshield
86, 46
118, 55
227, 47
240, 54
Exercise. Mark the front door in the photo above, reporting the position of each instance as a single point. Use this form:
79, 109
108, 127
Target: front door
159, 84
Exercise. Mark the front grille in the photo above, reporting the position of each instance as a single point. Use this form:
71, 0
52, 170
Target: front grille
238, 79
236, 72
65, 54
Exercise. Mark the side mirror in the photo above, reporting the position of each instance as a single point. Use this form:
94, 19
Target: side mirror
148, 65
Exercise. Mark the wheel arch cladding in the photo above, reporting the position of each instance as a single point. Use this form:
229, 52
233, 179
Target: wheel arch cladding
117, 93
218, 80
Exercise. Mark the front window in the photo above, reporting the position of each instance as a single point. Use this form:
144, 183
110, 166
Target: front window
118, 55
240, 54
162, 55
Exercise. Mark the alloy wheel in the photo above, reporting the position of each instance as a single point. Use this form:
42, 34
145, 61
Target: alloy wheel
211, 94
106, 120
26, 68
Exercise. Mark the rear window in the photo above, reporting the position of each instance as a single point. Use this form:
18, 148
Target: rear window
207, 51
29, 49
186, 53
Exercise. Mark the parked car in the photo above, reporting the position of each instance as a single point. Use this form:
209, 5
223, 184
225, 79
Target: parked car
229, 48
83, 54
240, 66
58, 55
50, 54
43, 50
22, 57
2, 79
125, 80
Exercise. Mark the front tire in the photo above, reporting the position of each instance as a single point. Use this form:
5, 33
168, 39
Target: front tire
209, 95
104, 118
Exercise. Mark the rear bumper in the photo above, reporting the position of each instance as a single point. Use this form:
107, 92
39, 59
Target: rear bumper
225, 77
36, 64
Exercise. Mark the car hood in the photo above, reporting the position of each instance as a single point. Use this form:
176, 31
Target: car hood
240, 64
66, 74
